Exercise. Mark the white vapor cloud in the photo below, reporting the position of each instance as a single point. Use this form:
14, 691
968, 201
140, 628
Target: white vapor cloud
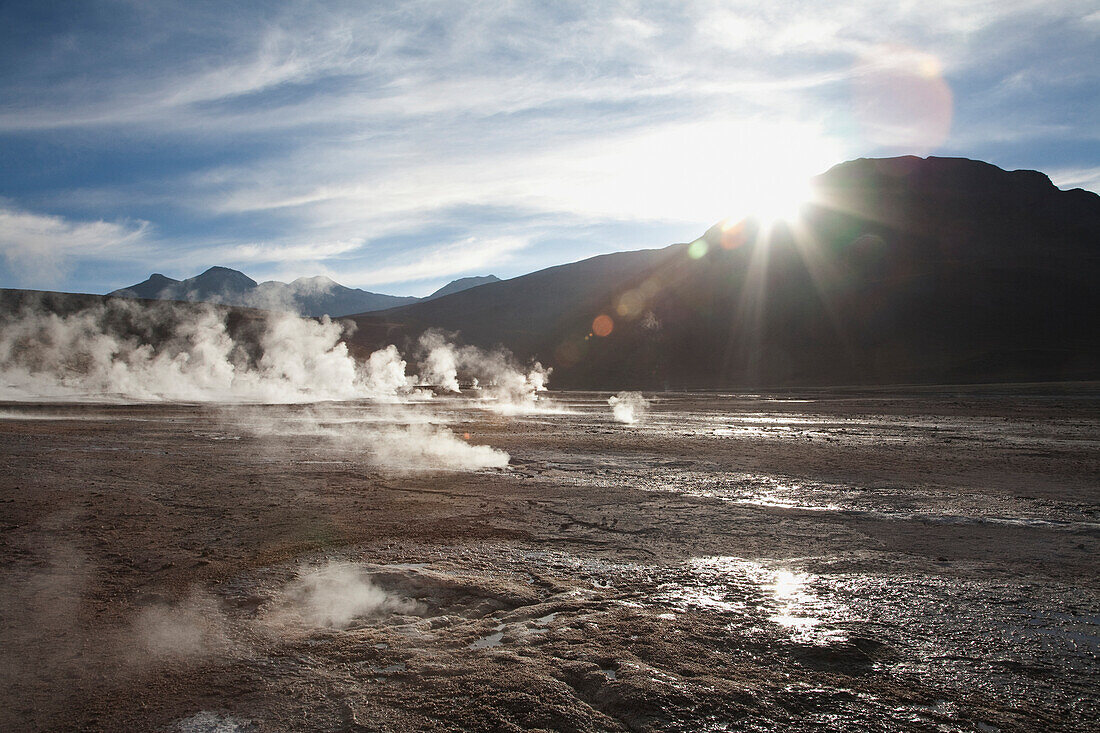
123, 351
192, 628
628, 407
110, 351
419, 447
332, 595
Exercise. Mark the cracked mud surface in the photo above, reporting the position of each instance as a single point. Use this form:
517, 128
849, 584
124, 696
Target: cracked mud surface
920, 562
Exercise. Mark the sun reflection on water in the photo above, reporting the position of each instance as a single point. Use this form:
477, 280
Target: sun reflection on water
758, 593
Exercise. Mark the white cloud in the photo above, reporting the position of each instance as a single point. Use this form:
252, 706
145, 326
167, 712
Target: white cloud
276, 252
504, 57
367, 122
41, 248
449, 259
1087, 178
691, 171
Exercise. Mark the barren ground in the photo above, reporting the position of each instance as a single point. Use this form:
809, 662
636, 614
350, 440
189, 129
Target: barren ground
867, 562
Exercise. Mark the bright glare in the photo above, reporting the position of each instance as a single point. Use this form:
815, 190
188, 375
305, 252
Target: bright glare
776, 200
694, 172
789, 585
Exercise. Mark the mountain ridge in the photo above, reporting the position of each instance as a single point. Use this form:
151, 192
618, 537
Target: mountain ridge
902, 270
308, 296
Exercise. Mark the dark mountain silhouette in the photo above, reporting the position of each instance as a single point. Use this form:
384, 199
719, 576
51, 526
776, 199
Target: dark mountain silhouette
215, 282
318, 296
463, 283
903, 270
309, 296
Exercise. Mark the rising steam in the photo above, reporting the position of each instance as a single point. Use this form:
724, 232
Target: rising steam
191, 629
131, 351
334, 596
330, 596
125, 350
500, 383
421, 447
151, 352
628, 407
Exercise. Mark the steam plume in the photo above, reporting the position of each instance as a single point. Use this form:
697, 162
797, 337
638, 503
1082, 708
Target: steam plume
628, 407
426, 447
333, 596
501, 383
194, 628
155, 352
129, 350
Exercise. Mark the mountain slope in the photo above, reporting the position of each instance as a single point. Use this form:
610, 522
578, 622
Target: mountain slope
904, 270
318, 296
217, 282
149, 289
463, 283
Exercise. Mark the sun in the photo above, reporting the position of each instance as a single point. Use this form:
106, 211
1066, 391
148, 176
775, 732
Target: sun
772, 201
780, 201
768, 171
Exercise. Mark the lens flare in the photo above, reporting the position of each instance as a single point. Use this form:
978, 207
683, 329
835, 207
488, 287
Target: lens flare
697, 249
630, 304
902, 100
732, 233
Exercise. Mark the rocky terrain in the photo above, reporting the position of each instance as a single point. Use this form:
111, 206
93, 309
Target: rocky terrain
912, 561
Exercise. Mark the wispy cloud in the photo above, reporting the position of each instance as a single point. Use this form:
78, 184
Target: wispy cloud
264, 252
441, 261
1087, 178
323, 135
42, 248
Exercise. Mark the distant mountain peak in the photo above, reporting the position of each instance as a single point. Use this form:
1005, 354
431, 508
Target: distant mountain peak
222, 278
315, 279
463, 283
317, 284
308, 296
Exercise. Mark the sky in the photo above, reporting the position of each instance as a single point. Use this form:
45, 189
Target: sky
398, 146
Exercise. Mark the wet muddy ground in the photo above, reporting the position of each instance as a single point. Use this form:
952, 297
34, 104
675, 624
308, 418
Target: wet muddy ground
729, 562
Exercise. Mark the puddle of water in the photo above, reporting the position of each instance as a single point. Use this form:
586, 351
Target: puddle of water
903, 503
700, 598
776, 502
752, 590
486, 642
789, 590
